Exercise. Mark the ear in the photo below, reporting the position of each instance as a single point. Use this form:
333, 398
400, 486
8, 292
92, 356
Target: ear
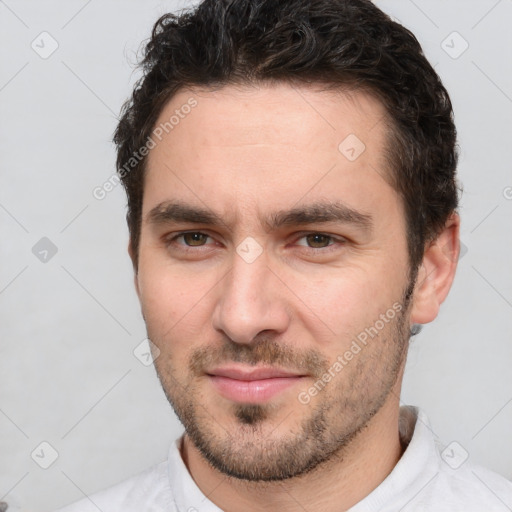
135, 273
436, 273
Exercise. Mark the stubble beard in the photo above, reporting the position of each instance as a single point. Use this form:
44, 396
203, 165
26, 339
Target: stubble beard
249, 448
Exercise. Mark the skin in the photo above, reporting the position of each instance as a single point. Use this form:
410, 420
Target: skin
244, 153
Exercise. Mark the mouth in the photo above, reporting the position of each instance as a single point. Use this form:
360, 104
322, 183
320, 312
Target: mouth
252, 385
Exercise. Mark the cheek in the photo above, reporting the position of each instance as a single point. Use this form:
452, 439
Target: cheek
164, 298
339, 307
177, 300
346, 302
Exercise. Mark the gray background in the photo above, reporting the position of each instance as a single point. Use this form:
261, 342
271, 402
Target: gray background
70, 324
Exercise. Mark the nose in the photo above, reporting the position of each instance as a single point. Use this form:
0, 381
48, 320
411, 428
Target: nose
251, 299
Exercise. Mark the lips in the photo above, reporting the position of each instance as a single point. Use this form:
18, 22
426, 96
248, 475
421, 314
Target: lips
252, 385
251, 374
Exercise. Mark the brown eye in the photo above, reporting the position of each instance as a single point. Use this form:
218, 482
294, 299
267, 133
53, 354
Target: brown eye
318, 240
194, 239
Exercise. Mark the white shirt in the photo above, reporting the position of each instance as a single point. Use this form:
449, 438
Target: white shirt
422, 481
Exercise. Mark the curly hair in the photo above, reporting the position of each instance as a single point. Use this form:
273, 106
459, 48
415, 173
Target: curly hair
336, 43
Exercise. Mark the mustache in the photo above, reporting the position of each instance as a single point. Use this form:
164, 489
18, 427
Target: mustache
265, 351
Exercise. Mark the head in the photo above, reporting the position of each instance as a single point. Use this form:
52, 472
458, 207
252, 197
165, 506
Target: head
307, 149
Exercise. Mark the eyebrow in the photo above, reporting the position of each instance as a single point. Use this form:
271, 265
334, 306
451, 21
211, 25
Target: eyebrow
319, 212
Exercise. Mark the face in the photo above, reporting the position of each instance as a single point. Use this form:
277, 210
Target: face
273, 274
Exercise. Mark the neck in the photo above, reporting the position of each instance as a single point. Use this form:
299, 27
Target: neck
335, 485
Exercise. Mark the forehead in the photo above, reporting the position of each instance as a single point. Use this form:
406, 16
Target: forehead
307, 112
243, 146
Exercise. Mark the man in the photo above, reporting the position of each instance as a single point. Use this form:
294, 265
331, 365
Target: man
290, 172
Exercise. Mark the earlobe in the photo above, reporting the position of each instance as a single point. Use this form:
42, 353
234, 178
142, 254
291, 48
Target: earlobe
436, 273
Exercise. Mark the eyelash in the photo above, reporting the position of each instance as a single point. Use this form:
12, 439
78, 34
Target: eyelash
187, 248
